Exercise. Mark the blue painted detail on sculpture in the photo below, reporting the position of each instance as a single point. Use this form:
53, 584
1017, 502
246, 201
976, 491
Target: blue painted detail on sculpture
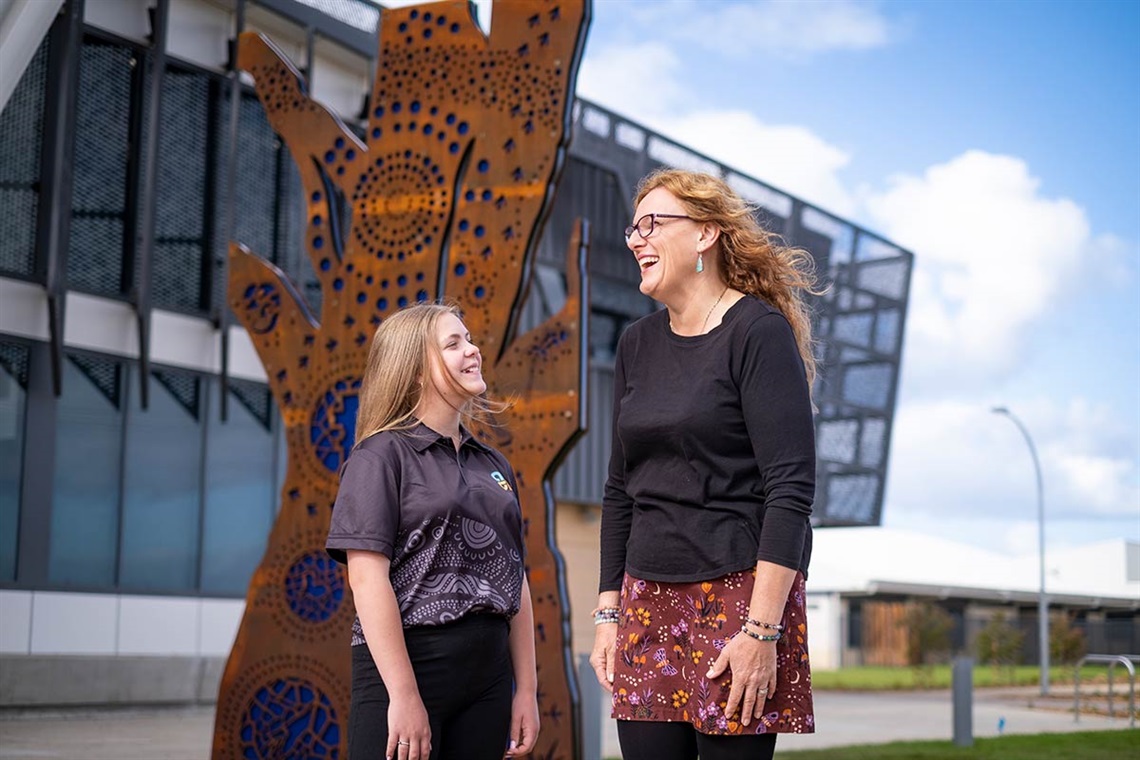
263, 303
546, 345
290, 718
314, 588
332, 429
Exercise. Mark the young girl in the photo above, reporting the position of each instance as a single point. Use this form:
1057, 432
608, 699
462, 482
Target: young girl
428, 521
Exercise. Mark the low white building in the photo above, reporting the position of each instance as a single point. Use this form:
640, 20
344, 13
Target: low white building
856, 570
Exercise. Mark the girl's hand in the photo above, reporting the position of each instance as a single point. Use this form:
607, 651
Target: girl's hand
409, 735
524, 724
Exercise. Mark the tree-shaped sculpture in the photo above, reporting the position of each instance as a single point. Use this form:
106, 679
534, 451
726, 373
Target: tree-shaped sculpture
466, 137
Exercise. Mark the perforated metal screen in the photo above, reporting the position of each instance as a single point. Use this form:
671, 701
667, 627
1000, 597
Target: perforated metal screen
191, 189
100, 170
182, 213
22, 126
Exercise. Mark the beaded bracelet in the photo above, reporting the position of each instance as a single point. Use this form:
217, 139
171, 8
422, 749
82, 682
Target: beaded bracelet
759, 637
758, 624
605, 615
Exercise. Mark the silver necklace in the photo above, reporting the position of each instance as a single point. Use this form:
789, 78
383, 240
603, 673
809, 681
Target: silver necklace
716, 304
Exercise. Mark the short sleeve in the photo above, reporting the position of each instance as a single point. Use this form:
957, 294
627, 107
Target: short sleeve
366, 514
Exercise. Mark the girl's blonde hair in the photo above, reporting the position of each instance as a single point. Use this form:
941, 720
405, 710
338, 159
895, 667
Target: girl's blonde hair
399, 363
751, 259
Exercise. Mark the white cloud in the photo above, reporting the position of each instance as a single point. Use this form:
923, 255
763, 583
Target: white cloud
951, 458
791, 158
642, 82
1097, 482
991, 255
784, 29
1091, 460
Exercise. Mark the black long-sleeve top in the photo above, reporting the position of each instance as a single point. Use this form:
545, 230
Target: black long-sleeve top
713, 460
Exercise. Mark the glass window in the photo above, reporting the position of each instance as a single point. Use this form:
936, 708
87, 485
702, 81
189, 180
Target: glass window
13, 400
240, 487
88, 456
161, 498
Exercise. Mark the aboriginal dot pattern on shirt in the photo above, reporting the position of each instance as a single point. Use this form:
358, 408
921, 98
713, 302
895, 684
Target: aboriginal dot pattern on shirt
450, 566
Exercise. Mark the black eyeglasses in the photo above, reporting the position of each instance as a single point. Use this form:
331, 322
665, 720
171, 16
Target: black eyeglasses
646, 224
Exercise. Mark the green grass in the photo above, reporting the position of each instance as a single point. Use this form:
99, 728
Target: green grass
871, 678
1085, 745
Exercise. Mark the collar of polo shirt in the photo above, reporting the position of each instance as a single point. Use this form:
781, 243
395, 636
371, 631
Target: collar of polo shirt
422, 436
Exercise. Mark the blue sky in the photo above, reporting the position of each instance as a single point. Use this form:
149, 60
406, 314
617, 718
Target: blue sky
1000, 142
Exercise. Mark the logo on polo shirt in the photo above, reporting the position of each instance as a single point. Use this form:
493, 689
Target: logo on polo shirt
503, 484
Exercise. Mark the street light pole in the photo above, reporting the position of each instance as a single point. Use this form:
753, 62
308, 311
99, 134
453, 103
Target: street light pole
1042, 600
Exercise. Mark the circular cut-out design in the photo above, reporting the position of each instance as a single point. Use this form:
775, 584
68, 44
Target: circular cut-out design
399, 204
289, 718
314, 587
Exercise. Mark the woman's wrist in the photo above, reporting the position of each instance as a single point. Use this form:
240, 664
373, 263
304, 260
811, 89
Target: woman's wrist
607, 615
771, 627
765, 637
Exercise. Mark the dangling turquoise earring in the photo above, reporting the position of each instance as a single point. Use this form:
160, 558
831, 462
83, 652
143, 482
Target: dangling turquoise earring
700, 263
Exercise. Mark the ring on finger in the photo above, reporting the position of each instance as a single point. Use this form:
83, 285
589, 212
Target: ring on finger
403, 743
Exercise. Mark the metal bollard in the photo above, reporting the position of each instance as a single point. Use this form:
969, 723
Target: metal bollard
963, 697
591, 710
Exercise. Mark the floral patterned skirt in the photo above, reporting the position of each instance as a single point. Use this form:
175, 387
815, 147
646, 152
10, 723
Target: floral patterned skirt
668, 637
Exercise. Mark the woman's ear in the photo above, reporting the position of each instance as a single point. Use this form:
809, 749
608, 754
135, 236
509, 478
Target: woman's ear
709, 234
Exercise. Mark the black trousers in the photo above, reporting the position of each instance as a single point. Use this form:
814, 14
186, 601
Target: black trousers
653, 740
463, 671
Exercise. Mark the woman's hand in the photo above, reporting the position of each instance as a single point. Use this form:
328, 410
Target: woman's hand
524, 724
409, 734
602, 658
753, 667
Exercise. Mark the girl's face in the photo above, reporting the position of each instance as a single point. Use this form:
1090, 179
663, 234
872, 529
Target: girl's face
456, 373
665, 245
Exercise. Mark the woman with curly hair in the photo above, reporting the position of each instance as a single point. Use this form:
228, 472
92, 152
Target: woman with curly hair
701, 632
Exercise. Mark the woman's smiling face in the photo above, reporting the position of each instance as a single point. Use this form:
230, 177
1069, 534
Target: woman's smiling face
666, 253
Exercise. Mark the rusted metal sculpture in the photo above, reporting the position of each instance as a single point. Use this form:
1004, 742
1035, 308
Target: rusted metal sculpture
445, 198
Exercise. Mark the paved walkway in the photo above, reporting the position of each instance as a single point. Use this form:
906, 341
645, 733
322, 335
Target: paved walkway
844, 718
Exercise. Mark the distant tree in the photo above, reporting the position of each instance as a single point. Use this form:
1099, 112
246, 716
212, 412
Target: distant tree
999, 644
928, 634
1066, 641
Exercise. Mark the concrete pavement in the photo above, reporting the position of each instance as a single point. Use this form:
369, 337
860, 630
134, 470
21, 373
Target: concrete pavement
843, 718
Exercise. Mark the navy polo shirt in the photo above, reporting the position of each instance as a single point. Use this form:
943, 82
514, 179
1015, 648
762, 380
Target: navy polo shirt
448, 520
